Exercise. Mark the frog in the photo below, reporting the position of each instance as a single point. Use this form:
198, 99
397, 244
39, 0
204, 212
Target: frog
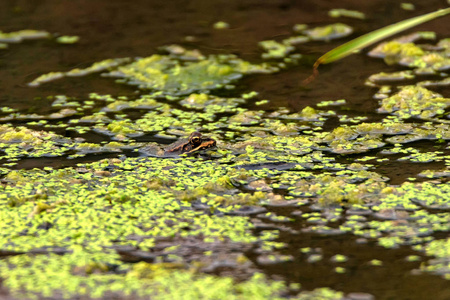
194, 144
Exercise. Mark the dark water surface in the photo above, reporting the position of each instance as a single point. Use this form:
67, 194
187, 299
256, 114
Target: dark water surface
119, 28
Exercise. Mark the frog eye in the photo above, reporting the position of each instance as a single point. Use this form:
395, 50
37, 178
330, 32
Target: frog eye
195, 139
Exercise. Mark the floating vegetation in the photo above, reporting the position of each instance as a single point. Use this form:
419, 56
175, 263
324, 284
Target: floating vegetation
393, 76
341, 12
332, 103
407, 6
283, 49
275, 50
330, 32
173, 77
434, 173
144, 102
413, 101
440, 250
159, 281
160, 225
67, 39
221, 25
21, 35
96, 67
404, 52
371, 38
212, 104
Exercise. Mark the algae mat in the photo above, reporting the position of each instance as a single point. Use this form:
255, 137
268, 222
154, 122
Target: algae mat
287, 198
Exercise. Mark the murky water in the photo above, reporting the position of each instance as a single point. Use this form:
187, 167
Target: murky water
114, 28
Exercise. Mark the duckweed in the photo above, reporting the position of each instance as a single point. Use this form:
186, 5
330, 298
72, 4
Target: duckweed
275, 50
330, 32
341, 12
67, 39
170, 76
125, 226
21, 35
404, 52
412, 101
96, 67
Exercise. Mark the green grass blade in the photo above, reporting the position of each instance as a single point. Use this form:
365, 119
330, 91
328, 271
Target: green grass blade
377, 35
371, 38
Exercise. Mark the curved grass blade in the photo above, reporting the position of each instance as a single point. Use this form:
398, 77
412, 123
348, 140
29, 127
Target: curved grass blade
371, 38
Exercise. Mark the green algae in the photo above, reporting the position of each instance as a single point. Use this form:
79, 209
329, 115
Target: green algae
145, 102
211, 104
331, 103
265, 159
62, 274
434, 173
440, 250
21, 142
21, 35
173, 77
221, 25
61, 114
160, 281
404, 52
122, 189
407, 6
125, 208
339, 258
345, 140
96, 67
330, 32
412, 101
392, 76
341, 12
67, 39
275, 50
406, 215
424, 157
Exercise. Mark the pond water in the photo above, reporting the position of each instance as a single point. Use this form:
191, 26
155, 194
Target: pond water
327, 201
